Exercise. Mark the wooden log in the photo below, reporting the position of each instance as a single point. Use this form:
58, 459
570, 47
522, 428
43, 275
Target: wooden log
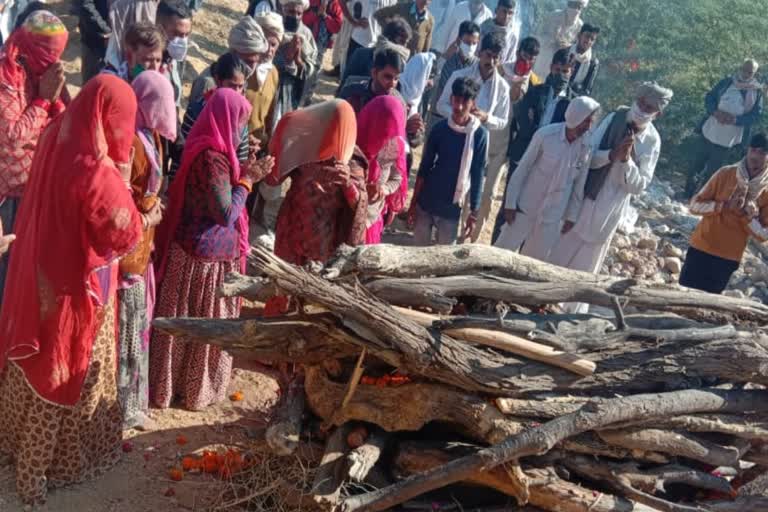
588, 443
408, 407
633, 367
432, 292
311, 339
545, 490
404, 344
648, 480
257, 289
474, 260
525, 348
674, 443
742, 426
542, 439
362, 459
329, 477
282, 434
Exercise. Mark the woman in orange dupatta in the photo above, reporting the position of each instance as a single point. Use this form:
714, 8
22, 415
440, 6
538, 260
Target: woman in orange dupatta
326, 204
59, 412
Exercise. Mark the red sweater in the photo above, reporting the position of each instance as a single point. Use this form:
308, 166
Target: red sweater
333, 19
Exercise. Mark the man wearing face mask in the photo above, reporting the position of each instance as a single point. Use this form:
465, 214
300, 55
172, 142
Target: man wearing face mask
733, 106
175, 18
545, 194
585, 63
461, 54
248, 43
503, 24
542, 105
469, 10
295, 58
559, 30
627, 148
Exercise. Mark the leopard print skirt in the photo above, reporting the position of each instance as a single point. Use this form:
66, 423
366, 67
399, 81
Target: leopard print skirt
52, 445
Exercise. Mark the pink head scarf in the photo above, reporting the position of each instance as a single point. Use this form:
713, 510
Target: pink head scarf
157, 106
156, 112
382, 119
218, 127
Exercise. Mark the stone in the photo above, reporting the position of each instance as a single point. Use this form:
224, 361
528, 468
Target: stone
673, 265
650, 244
625, 255
670, 251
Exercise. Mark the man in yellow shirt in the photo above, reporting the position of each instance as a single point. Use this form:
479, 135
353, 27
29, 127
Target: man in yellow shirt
734, 207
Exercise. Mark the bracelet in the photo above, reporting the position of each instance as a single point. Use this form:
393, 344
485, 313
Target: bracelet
246, 185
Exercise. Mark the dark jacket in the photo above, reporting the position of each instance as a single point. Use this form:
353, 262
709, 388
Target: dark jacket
585, 87
527, 118
94, 23
712, 100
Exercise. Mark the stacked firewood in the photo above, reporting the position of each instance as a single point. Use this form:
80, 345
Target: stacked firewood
453, 367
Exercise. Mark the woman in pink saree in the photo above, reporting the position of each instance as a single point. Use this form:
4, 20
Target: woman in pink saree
381, 137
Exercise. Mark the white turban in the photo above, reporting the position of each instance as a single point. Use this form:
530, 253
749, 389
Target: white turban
304, 3
579, 111
247, 37
584, 3
655, 94
272, 24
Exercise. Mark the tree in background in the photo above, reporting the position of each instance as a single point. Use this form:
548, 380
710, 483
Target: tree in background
687, 45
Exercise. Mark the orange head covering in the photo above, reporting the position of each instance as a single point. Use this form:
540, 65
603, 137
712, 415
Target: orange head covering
296, 142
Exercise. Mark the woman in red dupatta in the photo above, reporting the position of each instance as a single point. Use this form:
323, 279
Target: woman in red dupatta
203, 237
381, 137
59, 412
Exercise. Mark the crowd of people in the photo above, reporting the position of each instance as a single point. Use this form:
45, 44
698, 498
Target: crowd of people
119, 209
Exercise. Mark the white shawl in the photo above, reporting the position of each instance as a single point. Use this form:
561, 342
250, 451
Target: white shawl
463, 181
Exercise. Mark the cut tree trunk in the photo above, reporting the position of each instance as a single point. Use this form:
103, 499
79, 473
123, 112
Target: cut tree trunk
674, 443
311, 339
408, 407
540, 440
433, 292
649, 480
544, 489
255, 289
475, 260
282, 434
329, 477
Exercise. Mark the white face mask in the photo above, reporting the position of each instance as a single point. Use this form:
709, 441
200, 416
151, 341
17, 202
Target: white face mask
639, 117
468, 50
177, 48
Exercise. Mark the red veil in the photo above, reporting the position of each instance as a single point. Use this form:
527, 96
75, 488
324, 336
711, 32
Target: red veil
76, 218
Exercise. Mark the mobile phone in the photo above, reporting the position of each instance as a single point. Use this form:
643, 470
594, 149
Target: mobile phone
357, 10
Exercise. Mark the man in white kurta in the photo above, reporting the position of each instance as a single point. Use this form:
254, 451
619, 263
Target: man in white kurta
547, 188
470, 10
558, 30
632, 164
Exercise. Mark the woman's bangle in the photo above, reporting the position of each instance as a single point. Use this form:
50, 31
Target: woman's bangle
248, 185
